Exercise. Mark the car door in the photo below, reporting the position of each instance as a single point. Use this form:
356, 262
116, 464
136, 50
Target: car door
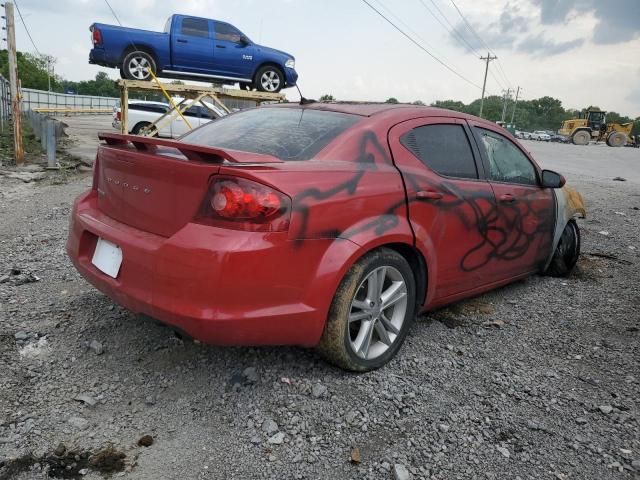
526, 211
179, 126
234, 55
451, 205
192, 45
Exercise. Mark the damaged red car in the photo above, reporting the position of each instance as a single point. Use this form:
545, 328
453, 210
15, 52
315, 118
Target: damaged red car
322, 225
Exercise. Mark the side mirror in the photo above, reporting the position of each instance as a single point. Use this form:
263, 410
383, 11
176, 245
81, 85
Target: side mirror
551, 179
244, 41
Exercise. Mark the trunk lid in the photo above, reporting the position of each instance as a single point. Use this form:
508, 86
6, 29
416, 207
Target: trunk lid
158, 185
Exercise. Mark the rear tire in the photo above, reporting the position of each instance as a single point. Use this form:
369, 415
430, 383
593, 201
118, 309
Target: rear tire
135, 64
581, 137
616, 139
269, 79
138, 127
361, 333
567, 252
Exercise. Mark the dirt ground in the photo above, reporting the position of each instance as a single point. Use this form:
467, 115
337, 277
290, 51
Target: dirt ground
539, 379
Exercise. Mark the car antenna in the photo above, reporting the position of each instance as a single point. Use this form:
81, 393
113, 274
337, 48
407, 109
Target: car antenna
304, 101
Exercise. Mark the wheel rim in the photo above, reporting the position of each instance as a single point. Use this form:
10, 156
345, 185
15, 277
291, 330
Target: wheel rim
138, 68
270, 81
377, 313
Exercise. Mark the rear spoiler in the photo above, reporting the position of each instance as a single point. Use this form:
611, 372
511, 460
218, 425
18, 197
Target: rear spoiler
201, 153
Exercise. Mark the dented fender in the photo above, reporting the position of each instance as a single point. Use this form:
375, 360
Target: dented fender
569, 204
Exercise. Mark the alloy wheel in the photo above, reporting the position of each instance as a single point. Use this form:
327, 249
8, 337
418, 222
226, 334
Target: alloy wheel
270, 81
138, 68
377, 312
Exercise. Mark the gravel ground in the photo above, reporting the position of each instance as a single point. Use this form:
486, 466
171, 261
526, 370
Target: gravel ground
539, 379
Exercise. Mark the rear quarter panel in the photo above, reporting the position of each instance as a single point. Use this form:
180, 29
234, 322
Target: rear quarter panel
351, 194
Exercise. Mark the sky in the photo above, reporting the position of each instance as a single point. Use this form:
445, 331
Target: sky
584, 52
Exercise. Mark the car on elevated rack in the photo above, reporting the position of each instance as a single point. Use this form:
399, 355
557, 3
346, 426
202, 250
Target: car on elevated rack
192, 48
322, 225
143, 113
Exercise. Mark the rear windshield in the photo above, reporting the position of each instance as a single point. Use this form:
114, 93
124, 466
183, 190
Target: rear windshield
285, 133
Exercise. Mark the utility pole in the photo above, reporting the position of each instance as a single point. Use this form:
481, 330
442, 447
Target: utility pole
488, 58
514, 105
507, 96
13, 83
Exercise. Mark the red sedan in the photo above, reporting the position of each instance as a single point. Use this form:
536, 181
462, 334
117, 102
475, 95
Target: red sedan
322, 225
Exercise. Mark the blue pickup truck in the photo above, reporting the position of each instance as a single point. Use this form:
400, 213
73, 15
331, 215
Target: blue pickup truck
192, 48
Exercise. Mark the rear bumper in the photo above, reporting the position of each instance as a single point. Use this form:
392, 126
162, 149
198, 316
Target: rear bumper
220, 286
98, 56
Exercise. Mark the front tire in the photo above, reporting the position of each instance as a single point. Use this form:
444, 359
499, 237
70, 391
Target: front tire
567, 252
371, 312
269, 79
135, 64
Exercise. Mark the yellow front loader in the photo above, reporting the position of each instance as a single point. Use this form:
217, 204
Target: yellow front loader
594, 127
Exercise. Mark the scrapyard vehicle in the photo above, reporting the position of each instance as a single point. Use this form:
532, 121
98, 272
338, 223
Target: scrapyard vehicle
192, 48
593, 126
322, 225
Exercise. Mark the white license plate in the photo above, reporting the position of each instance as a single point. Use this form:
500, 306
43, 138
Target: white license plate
107, 257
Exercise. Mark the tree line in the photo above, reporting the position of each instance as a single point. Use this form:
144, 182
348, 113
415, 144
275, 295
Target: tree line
545, 113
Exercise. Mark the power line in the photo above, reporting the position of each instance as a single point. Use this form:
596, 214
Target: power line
420, 46
112, 11
407, 26
452, 31
482, 42
26, 29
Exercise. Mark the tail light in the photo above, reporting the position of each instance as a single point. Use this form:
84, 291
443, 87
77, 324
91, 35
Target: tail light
118, 115
240, 204
96, 36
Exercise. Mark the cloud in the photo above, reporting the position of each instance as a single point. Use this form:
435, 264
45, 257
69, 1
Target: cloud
500, 34
617, 21
538, 45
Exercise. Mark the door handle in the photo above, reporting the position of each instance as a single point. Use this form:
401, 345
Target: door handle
180, 40
429, 195
220, 46
507, 197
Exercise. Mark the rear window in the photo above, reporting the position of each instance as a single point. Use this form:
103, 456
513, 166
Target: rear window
443, 148
285, 133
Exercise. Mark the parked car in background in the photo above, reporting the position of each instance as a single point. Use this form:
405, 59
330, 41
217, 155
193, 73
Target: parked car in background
321, 225
192, 48
558, 138
540, 135
143, 113
525, 135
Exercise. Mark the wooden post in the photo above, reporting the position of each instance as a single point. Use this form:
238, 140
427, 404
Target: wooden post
13, 79
124, 110
50, 129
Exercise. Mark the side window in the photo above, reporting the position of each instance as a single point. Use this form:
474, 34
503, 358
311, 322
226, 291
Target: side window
196, 27
506, 162
444, 148
228, 33
193, 111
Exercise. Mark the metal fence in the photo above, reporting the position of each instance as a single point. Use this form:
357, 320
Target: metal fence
32, 99
5, 102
